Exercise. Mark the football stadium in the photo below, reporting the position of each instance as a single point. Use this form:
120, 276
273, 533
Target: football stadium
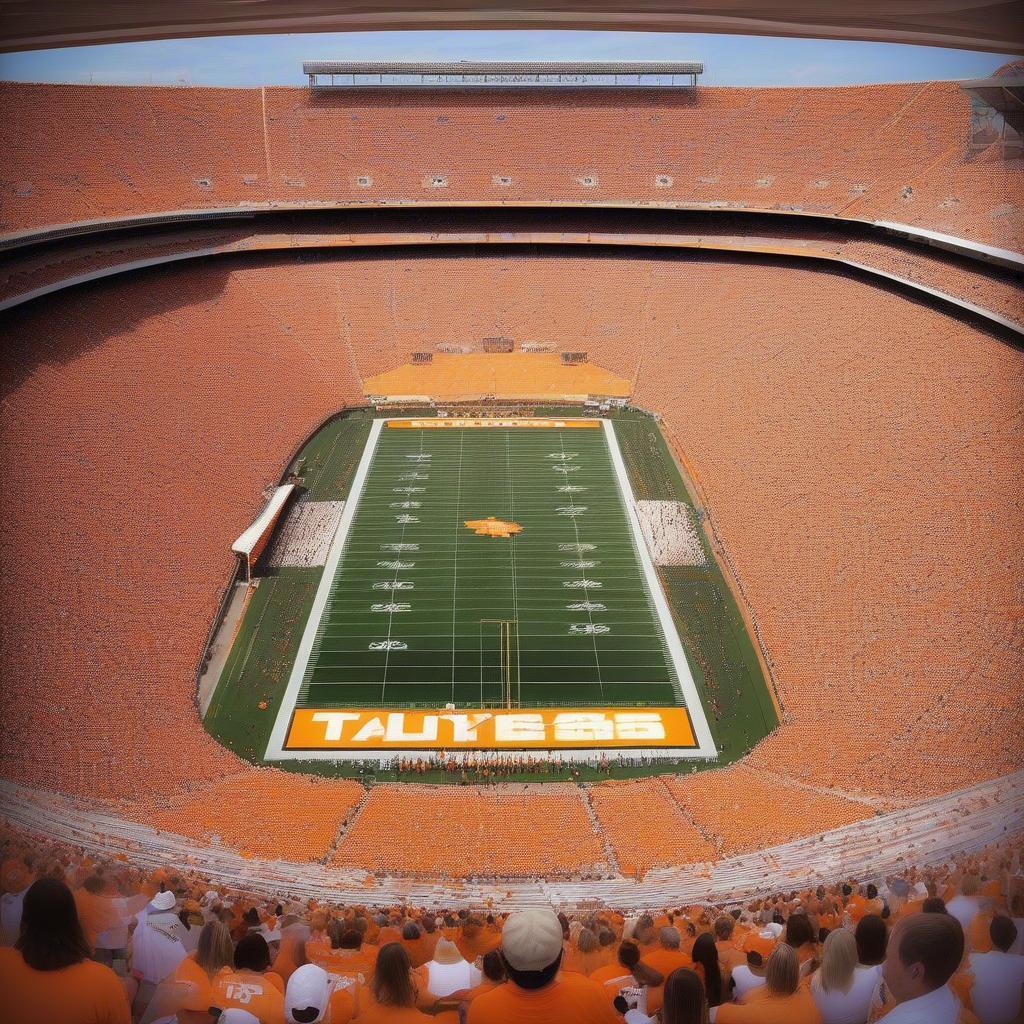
499, 540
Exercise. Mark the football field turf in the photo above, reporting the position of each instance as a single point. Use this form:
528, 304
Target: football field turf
415, 607
300, 641
486, 565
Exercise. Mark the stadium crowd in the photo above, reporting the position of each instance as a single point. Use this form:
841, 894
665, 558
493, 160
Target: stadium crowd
88, 941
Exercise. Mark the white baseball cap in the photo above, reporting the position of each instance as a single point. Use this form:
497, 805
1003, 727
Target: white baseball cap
163, 900
235, 1015
531, 940
308, 987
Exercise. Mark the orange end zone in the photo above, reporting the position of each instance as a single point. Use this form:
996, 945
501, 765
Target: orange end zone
496, 729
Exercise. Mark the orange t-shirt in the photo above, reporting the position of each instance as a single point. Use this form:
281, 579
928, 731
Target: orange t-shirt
345, 963
667, 960
478, 990
200, 996
84, 993
763, 1007
570, 997
247, 990
583, 963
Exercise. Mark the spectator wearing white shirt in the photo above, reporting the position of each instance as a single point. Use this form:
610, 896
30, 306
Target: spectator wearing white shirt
965, 905
924, 952
748, 976
448, 972
842, 988
998, 976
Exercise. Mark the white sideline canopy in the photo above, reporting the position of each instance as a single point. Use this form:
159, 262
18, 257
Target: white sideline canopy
252, 542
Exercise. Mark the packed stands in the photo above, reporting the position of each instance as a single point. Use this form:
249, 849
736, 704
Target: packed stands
460, 831
646, 827
224, 811
119, 900
891, 152
856, 454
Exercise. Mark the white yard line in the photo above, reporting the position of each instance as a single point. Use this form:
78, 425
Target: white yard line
275, 747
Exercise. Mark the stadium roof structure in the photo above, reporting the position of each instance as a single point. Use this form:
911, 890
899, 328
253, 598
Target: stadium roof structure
995, 25
502, 74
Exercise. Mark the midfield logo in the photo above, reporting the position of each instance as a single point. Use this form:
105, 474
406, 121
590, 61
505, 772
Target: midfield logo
491, 527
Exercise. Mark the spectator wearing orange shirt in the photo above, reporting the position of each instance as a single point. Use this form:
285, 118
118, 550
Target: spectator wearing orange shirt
493, 970
800, 935
391, 996
250, 986
781, 1000
48, 978
415, 945
629, 971
667, 956
535, 993
583, 955
729, 957
193, 977
347, 956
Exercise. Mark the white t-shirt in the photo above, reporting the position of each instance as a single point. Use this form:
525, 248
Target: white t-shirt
938, 1007
998, 978
444, 979
852, 1006
964, 909
10, 916
745, 979
156, 945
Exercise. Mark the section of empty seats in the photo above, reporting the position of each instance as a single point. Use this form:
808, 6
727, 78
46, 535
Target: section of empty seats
897, 152
455, 831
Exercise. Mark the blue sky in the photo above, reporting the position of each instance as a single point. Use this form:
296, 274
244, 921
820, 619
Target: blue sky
277, 59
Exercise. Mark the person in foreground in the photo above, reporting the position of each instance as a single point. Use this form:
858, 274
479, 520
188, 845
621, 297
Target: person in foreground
685, 1001
781, 1000
535, 993
924, 953
48, 978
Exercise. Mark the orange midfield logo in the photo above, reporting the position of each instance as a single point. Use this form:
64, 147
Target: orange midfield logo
491, 527
498, 729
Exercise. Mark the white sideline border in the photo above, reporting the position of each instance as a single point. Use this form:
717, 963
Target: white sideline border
705, 748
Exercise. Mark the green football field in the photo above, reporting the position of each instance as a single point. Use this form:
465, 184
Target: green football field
418, 599
465, 618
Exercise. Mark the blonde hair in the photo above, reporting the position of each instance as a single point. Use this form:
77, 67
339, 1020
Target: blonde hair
215, 948
782, 975
586, 941
838, 962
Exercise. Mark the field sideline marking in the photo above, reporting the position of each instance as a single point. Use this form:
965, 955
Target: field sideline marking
275, 747
701, 730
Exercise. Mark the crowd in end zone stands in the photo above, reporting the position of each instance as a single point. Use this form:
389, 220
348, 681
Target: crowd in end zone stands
87, 941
